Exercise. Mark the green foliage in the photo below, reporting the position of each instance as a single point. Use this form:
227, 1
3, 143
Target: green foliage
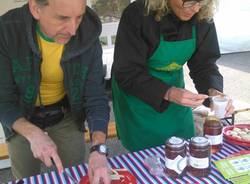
109, 9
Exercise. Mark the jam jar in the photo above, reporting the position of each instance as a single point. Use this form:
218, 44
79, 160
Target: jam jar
176, 159
199, 161
212, 129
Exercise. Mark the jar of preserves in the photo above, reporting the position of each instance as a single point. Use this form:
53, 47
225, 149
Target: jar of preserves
176, 159
212, 129
199, 162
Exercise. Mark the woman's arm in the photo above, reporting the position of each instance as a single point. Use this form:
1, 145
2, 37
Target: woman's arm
202, 65
130, 60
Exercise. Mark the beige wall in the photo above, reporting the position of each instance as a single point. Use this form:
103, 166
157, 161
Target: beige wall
6, 5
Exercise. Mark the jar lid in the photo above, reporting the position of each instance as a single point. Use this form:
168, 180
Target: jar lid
212, 121
200, 141
175, 142
212, 118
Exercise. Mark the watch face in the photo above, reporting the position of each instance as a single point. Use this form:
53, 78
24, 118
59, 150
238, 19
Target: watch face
103, 149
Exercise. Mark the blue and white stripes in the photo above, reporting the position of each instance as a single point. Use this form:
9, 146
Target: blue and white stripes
134, 162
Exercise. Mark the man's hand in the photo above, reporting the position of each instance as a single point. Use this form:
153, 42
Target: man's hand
184, 97
229, 108
42, 146
98, 170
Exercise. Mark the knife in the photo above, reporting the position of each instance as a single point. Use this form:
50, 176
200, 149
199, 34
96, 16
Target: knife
67, 174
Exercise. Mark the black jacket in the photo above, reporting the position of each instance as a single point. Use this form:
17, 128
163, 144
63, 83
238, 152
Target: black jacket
138, 37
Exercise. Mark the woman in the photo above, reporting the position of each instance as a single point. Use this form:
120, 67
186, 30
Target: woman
155, 39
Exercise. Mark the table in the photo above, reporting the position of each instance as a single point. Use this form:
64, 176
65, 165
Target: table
134, 163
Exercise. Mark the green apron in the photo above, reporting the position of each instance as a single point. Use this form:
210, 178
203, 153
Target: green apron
140, 126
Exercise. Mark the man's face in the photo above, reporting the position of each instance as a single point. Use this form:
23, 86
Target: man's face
59, 19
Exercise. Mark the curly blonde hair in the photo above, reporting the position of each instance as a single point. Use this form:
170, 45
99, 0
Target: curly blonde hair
161, 8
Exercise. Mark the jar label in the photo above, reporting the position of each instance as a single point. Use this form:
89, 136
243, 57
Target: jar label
215, 139
178, 164
199, 163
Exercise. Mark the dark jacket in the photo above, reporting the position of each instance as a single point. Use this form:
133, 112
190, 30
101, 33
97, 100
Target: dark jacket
138, 37
20, 62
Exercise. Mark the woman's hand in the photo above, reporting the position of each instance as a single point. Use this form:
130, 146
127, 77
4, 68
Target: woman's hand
229, 108
184, 97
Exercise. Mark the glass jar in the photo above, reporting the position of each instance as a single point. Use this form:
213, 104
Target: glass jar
176, 160
212, 129
199, 162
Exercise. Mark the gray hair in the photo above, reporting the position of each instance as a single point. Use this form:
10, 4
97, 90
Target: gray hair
161, 8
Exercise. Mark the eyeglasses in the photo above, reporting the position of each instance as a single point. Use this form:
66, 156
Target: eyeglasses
191, 3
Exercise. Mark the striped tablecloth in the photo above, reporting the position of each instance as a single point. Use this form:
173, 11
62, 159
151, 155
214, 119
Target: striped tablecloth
134, 163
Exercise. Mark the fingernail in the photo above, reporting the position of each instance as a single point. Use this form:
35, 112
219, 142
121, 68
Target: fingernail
60, 171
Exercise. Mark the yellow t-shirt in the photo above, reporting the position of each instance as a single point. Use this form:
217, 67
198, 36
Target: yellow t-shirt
51, 86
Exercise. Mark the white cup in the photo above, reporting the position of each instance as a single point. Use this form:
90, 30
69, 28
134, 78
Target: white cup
219, 106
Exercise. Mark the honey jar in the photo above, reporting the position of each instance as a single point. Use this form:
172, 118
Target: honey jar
199, 161
212, 129
176, 159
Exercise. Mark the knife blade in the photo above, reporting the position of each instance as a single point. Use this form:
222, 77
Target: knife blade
67, 174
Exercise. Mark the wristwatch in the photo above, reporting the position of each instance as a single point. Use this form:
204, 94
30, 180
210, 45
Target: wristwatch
100, 148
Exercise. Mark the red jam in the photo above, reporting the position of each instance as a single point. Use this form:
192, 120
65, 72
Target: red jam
212, 129
199, 162
176, 160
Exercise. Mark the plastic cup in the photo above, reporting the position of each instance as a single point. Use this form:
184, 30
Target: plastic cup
219, 106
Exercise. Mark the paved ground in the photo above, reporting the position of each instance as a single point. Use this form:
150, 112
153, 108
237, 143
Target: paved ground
236, 71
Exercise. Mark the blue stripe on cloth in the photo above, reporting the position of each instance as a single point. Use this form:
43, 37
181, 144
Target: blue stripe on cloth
113, 163
140, 176
54, 177
134, 162
75, 173
46, 177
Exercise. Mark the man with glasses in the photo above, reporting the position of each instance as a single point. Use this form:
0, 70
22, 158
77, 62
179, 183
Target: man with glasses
155, 39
